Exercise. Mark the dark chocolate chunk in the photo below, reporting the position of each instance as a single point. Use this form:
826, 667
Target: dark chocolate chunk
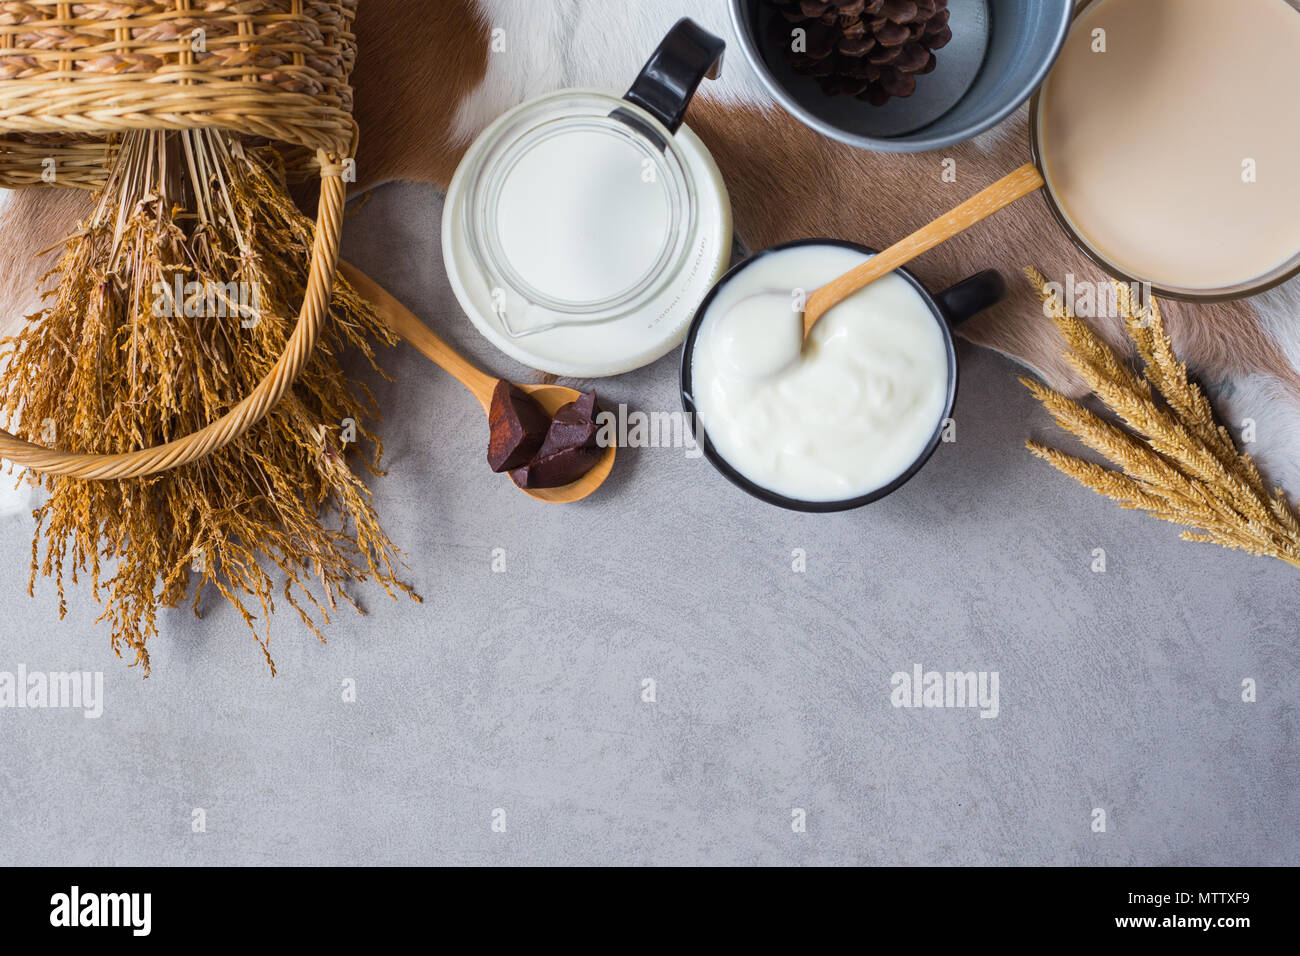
574, 426
564, 467
518, 427
570, 449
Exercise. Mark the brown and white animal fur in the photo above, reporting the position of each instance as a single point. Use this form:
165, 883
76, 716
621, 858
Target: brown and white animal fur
430, 77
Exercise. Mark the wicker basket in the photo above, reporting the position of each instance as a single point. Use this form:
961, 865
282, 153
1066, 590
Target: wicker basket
74, 76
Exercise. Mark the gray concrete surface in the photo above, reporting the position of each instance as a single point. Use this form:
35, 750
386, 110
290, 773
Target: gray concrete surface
522, 691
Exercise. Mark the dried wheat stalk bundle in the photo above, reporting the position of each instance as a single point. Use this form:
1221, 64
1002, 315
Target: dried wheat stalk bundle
1175, 461
117, 361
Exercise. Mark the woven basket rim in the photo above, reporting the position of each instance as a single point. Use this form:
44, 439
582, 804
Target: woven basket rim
297, 119
260, 84
275, 69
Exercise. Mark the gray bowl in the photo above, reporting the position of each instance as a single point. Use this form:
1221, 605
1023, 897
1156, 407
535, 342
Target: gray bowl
1001, 50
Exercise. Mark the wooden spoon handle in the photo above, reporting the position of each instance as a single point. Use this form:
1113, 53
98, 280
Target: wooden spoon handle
980, 206
402, 321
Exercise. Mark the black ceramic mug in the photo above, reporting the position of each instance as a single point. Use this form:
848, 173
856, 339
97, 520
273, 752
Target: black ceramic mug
949, 308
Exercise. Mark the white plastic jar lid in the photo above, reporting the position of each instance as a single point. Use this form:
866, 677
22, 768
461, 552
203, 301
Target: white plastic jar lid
579, 233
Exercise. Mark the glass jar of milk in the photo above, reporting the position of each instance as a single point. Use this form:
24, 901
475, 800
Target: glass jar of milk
582, 229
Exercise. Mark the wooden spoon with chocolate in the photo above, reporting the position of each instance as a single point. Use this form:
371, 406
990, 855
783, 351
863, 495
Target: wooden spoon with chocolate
544, 435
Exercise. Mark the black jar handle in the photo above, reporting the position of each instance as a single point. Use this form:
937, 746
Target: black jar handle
970, 296
665, 85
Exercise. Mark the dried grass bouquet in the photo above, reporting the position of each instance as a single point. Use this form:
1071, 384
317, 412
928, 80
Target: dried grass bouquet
148, 337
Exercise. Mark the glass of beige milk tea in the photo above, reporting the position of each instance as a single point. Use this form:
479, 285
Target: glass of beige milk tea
1168, 133
844, 418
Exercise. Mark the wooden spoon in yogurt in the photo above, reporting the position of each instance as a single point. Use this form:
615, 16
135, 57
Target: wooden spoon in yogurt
757, 354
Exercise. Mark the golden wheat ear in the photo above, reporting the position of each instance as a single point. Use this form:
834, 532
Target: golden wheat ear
1173, 459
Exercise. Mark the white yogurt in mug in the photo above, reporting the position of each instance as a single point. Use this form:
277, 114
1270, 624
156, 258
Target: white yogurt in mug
854, 411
